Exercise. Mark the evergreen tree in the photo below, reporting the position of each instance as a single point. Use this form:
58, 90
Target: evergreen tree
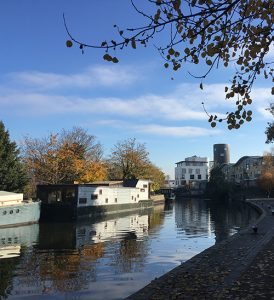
13, 177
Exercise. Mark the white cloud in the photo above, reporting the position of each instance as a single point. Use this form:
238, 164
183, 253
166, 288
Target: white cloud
161, 130
183, 103
184, 131
91, 77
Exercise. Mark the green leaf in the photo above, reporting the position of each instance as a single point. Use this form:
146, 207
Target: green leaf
133, 43
69, 43
115, 60
107, 57
171, 51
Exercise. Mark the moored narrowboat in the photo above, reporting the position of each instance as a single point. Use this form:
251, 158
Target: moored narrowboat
78, 201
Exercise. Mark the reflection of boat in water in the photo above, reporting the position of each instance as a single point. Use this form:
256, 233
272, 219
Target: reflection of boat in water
15, 212
116, 229
10, 251
108, 228
12, 239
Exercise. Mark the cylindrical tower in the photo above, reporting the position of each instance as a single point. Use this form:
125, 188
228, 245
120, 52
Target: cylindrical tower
221, 153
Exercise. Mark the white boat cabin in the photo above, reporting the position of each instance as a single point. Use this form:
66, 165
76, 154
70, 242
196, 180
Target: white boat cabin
95, 193
8, 198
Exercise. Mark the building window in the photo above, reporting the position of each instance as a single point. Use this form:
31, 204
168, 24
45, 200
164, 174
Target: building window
191, 177
190, 171
106, 200
137, 195
115, 200
132, 197
183, 177
94, 196
183, 171
82, 200
199, 176
197, 171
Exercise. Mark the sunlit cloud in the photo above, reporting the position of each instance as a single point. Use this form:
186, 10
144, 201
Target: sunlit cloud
183, 131
89, 78
160, 130
184, 103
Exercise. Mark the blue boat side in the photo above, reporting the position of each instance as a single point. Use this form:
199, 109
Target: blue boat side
19, 214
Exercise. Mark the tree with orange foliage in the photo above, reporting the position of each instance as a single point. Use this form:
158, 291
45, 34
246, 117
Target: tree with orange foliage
66, 157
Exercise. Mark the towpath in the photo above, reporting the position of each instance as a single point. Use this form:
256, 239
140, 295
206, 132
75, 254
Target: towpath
241, 267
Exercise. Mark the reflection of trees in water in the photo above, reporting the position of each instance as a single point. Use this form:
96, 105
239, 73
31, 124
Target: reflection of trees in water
197, 216
52, 271
66, 257
130, 254
191, 216
7, 267
156, 218
230, 216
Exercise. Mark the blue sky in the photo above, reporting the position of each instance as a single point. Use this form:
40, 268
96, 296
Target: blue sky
45, 86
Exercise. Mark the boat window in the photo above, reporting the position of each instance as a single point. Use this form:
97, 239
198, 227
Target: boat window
17, 210
54, 196
82, 200
94, 196
144, 186
11, 212
4, 212
142, 190
100, 192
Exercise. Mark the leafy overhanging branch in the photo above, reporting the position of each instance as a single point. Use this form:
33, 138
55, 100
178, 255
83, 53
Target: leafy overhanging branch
235, 33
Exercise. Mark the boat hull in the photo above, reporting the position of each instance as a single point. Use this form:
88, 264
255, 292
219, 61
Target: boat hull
19, 214
64, 212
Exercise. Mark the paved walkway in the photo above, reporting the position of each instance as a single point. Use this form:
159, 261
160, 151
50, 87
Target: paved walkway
242, 267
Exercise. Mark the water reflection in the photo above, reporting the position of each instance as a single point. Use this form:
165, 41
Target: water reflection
13, 243
114, 256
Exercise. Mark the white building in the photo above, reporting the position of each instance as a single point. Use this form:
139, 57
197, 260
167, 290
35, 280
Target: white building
191, 172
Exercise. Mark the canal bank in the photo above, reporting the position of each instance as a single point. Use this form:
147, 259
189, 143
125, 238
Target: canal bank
240, 267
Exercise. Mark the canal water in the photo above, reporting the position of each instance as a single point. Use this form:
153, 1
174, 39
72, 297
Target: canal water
114, 256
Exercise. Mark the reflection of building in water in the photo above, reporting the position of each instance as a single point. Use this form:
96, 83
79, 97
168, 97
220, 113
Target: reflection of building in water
11, 239
113, 229
192, 216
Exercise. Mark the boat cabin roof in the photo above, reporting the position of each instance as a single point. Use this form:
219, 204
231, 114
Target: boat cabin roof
106, 183
3, 193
